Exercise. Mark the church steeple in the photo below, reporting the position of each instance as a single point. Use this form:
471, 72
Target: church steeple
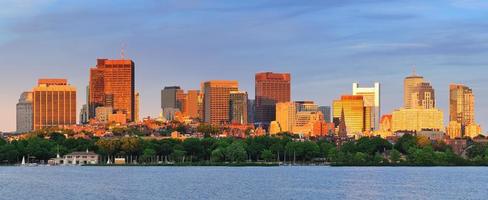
342, 126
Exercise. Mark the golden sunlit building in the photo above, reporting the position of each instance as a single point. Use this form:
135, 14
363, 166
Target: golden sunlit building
286, 115
112, 84
53, 104
354, 113
409, 88
216, 100
461, 109
454, 130
417, 120
306, 121
192, 103
472, 130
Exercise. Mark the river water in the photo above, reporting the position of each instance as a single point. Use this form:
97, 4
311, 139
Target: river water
146, 183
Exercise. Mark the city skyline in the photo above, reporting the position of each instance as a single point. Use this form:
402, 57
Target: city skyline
320, 76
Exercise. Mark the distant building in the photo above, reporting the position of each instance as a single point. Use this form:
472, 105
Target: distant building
24, 113
76, 158
54, 104
168, 97
238, 107
306, 106
423, 96
216, 100
372, 100
137, 107
84, 114
192, 103
286, 116
454, 130
250, 110
461, 106
103, 113
271, 88
112, 84
352, 106
417, 120
409, 88
326, 111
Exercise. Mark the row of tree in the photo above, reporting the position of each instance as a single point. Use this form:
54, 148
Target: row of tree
408, 150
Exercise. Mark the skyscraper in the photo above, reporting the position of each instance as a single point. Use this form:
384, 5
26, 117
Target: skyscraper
112, 84
24, 113
171, 101
216, 100
354, 113
372, 101
423, 96
461, 104
192, 104
137, 107
270, 88
326, 112
286, 115
409, 87
238, 107
54, 104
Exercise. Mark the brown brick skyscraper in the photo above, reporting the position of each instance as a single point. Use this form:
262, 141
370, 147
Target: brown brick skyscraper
271, 88
217, 100
112, 84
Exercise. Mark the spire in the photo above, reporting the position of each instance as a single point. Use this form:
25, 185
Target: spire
342, 126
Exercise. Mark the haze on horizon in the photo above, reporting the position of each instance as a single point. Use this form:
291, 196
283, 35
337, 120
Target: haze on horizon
325, 45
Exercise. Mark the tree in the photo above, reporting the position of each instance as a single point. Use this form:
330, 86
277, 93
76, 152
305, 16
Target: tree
405, 142
395, 156
267, 155
147, 155
236, 152
193, 146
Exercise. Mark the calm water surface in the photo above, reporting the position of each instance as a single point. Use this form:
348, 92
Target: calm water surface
76, 183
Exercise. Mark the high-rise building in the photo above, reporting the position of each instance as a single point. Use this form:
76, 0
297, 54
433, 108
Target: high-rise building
409, 87
24, 113
461, 104
169, 97
250, 111
238, 107
84, 114
270, 88
372, 101
216, 100
354, 113
137, 107
326, 112
112, 84
306, 106
53, 104
423, 96
417, 120
286, 115
192, 103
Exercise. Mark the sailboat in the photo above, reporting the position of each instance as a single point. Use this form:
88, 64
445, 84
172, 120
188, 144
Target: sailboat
23, 161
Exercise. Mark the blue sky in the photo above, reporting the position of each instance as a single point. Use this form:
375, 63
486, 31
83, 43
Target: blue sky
325, 44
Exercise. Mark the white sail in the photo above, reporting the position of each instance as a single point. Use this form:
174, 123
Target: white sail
23, 160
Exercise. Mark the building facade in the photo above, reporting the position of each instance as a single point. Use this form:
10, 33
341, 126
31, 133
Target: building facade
461, 104
286, 116
353, 109
53, 104
24, 113
192, 103
326, 112
423, 97
372, 100
417, 120
270, 88
112, 84
238, 107
216, 100
409, 87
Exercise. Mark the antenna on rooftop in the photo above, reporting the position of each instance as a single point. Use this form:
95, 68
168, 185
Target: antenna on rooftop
122, 54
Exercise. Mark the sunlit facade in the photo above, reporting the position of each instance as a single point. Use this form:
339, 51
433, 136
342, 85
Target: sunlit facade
112, 84
354, 113
238, 107
53, 104
372, 101
461, 104
216, 100
24, 113
417, 120
286, 115
409, 87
